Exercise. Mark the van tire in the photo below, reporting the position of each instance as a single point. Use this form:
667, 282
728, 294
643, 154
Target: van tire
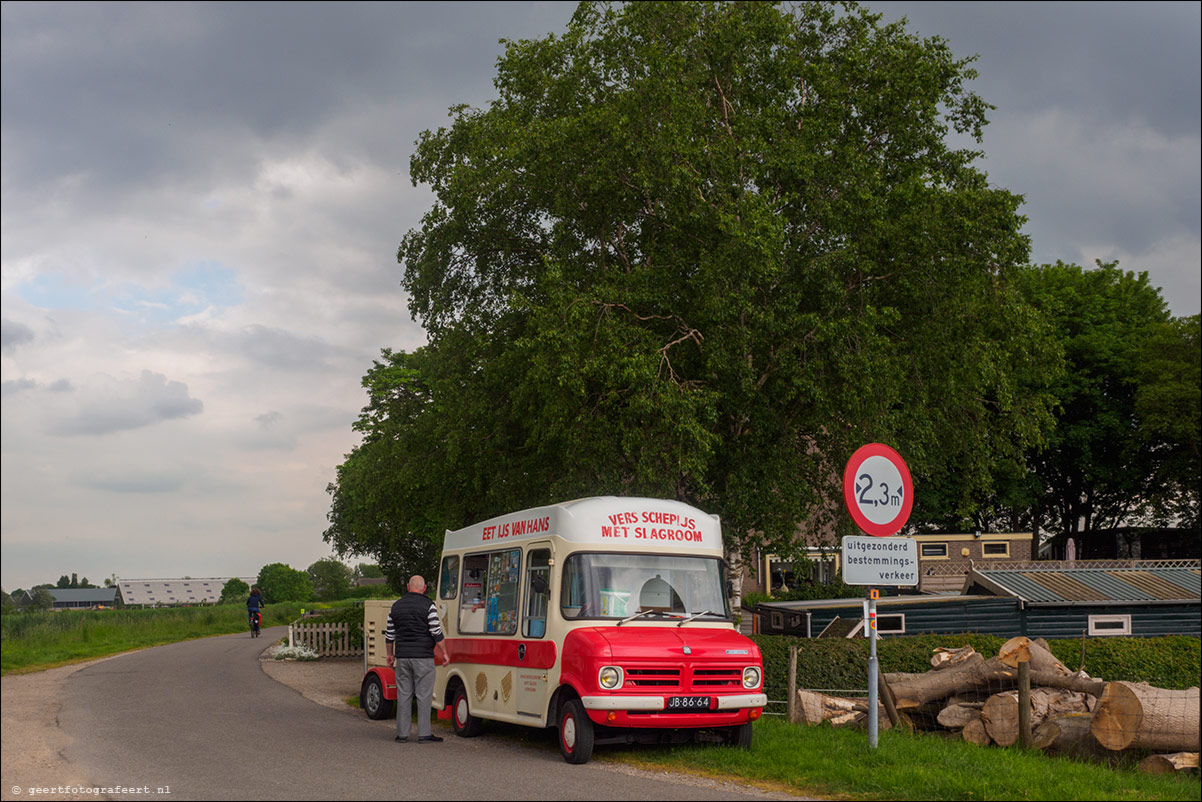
371, 698
575, 732
740, 736
466, 725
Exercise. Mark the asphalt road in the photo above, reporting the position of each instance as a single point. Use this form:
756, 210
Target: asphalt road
200, 720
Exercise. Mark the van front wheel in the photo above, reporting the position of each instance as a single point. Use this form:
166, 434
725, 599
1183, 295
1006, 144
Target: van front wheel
575, 732
740, 736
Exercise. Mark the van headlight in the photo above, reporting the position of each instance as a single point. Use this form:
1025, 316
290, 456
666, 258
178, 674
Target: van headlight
751, 677
610, 677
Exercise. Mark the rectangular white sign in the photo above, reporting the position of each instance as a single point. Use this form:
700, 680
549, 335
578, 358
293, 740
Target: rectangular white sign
880, 561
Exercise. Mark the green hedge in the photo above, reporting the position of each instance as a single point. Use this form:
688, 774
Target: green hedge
842, 664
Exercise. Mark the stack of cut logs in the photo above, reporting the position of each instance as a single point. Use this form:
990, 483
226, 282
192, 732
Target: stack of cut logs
1068, 712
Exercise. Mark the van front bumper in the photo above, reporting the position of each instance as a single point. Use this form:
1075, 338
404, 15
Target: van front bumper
657, 703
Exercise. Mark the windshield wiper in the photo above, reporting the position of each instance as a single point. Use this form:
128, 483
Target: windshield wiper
642, 613
695, 615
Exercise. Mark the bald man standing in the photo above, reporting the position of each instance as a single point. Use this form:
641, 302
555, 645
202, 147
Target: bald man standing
413, 635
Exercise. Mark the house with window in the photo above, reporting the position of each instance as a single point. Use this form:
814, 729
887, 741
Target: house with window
1041, 599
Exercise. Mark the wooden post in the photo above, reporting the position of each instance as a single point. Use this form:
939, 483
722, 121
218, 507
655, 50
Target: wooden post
1024, 704
887, 698
792, 684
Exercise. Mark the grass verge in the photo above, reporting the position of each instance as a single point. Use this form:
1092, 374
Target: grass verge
36, 641
837, 763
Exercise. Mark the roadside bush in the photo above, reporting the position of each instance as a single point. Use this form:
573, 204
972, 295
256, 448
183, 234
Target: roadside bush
842, 664
349, 615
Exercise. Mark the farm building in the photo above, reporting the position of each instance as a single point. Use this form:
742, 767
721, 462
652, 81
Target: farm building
78, 598
1039, 599
168, 592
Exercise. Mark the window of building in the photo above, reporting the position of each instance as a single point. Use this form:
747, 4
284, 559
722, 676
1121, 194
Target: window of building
996, 548
934, 550
1110, 625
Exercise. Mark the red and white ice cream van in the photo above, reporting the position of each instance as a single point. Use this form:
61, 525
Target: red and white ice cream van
604, 617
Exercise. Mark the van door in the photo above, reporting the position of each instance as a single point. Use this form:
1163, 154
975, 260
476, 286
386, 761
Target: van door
534, 649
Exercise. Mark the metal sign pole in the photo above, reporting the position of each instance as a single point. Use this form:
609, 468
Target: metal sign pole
872, 672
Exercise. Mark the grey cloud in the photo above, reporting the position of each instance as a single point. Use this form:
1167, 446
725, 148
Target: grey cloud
14, 386
129, 483
13, 334
282, 350
123, 405
60, 386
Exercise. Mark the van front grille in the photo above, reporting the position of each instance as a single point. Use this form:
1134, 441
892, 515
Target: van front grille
653, 677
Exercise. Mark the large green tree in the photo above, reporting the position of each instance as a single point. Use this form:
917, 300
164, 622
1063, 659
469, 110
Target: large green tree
280, 583
234, 591
331, 579
699, 251
1103, 465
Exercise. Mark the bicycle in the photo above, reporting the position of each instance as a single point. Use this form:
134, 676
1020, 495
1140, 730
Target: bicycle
255, 620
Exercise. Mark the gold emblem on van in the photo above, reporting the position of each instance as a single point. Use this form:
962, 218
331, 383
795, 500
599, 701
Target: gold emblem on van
481, 686
506, 686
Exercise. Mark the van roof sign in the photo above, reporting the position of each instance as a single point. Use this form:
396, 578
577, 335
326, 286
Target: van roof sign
630, 523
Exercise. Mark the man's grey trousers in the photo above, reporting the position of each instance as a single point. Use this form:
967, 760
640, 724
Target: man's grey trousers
414, 678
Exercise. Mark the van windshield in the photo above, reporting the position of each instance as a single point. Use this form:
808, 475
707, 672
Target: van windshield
609, 585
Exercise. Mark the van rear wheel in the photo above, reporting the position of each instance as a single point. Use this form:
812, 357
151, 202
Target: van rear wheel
466, 725
371, 699
575, 732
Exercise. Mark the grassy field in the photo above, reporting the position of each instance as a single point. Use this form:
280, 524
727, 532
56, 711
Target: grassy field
35, 641
837, 763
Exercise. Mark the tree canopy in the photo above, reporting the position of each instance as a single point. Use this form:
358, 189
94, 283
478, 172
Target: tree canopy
700, 251
331, 579
280, 583
234, 591
1126, 433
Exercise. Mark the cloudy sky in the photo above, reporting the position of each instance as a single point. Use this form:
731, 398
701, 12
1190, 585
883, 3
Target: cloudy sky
202, 205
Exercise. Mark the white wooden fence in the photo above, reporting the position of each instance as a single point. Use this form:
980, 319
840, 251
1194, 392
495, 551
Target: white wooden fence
328, 640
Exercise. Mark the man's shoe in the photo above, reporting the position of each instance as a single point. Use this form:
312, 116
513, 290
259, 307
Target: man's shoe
429, 739
402, 739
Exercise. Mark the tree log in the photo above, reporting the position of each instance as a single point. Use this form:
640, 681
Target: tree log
1048, 679
1067, 734
1169, 764
815, 708
1023, 649
916, 690
956, 716
1137, 715
975, 733
1000, 712
953, 658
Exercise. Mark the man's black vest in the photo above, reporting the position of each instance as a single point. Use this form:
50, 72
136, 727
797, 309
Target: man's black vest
410, 616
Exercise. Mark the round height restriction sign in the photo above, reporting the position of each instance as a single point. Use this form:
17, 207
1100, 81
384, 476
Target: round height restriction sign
878, 489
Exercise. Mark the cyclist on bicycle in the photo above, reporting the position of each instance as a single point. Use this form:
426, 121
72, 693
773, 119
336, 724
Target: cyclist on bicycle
254, 607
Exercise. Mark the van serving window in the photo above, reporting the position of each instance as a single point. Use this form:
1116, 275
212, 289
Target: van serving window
489, 603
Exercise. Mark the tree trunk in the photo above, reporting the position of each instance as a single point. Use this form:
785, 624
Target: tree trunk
1169, 764
916, 690
1137, 715
953, 658
975, 733
815, 708
1067, 734
1047, 679
1036, 652
957, 716
1000, 712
